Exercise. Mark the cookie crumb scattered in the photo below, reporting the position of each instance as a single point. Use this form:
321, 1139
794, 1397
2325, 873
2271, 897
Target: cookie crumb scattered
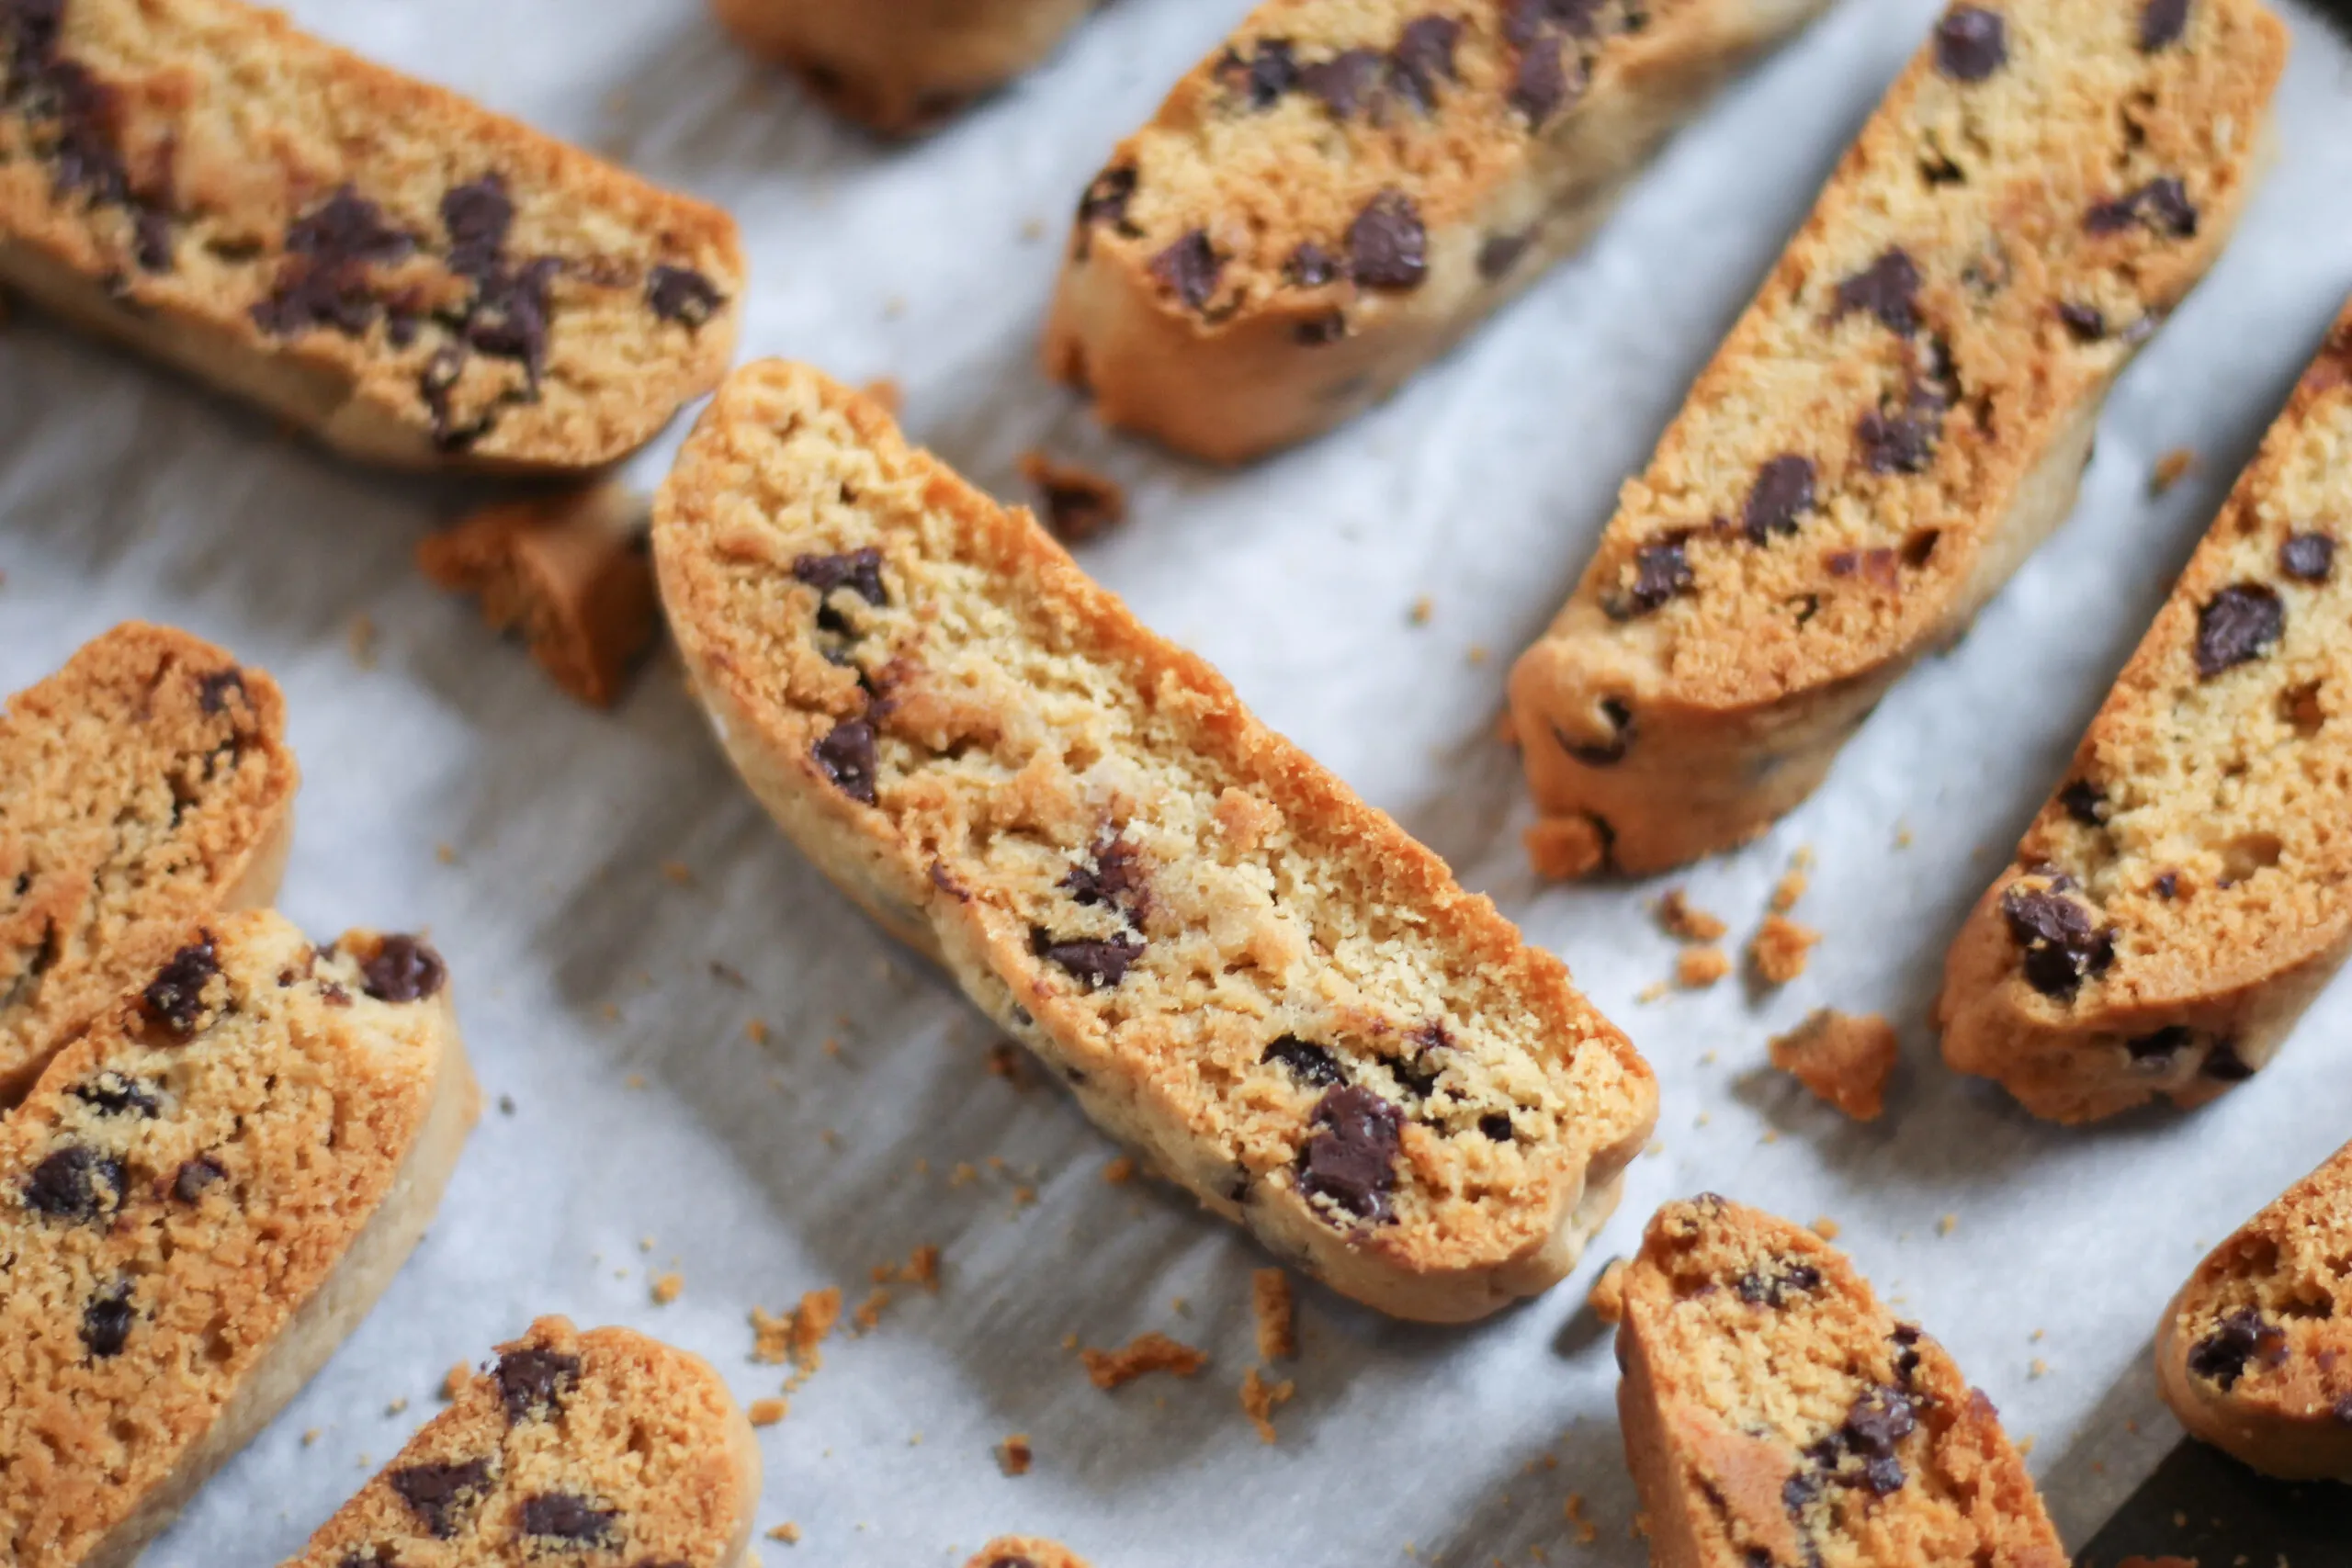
767, 1412
1120, 1171
868, 1315
1586, 1531
679, 871
1651, 992
1423, 608
1259, 1398
1948, 1224
310, 1436
1699, 967
1013, 1455
668, 1288
454, 1383
1781, 949
1607, 1297
1792, 883
446, 853
1565, 848
1146, 1353
787, 1532
885, 389
396, 1406
1826, 1228
1078, 503
1004, 1061
1276, 1309
1685, 921
799, 1336
2038, 1369
755, 1029
2170, 469
1844, 1059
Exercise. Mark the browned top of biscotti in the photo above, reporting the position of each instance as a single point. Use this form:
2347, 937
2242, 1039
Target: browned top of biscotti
2265, 1321
1025, 1552
2197, 844
181, 1181
138, 787
1804, 1424
2040, 186
514, 297
1307, 161
598, 1446
1201, 910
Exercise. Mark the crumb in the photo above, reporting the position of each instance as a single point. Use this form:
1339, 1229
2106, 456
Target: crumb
1004, 1061
455, 1382
310, 1436
2039, 1369
799, 1336
1699, 967
1651, 992
728, 975
645, 1244
609, 1013
755, 1029
921, 1268
360, 638
634, 1081
1844, 1059
894, 307
1948, 1224
2170, 469
1069, 1341
1079, 504
1826, 1228
396, 1406
787, 1532
1902, 836
506, 1105
869, 1311
767, 1412
678, 872
1780, 948
1146, 1353
1033, 228
1259, 1398
2025, 1445
885, 389
1789, 889
1277, 1312
1685, 921
1476, 654
446, 853
1586, 1533
1014, 1456
1565, 848
1423, 608
1023, 1196
667, 1289
1120, 1171
1607, 1297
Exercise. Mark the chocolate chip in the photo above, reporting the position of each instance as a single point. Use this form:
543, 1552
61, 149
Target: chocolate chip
2084, 321
2161, 24
1308, 1063
403, 970
1424, 53
1351, 1154
74, 1183
193, 1176
2162, 205
1387, 247
1887, 288
1309, 267
1880, 1418
1539, 84
175, 999
477, 216
1496, 1124
1602, 754
213, 691
2306, 557
680, 294
2224, 1065
560, 1515
1189, 269
1661, 570
441, 1494
1772, 1282
508, 318
1523, 20
111, 1094
1264, 74
2222, 1356
1107, 195
1895, 444
1499, 252
1098, 963
1783, 493
1114, 877
2167, 886
533, 1381
1971, 43
433, 384
1906, 1339
1343, 83
2085, 802
847, 755
324, 282
859, 570
2240, 623
2061, 945
1317, 331
1076, 505
2158, 1047
106, 1322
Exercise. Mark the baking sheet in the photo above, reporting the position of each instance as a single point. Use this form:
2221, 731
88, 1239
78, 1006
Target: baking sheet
586, 872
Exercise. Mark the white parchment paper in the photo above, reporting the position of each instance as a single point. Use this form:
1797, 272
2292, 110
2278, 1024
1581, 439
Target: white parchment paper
650, 1133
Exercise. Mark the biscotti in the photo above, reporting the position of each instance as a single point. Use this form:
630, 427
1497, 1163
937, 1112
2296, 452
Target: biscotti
204, 1194
408, 277
603, 1447
1025, 1552
1777, 1415
1346, 187
144, 786
1901, 416
2255, 1354
1236, 964
2183, 895
906, 65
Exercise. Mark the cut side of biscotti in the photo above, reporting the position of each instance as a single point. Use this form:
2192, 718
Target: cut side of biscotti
1777, 1415
145, 785
2184, 895
603, 1447
1235, 963
903, 67
408, 277
203, 1195
1346, 187
1025, 1552
1900, 417
2255, 1354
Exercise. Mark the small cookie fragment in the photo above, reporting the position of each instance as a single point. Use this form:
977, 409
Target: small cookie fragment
1567, 849
1685, 921
2170, 469
1025, 1552
1259, 1398
1607, 1298
1272, 1301
570, 572
1013, 1455
768, 1411
1695, 968
1843, 1058
1780, 948
1076, 504
1144, 1354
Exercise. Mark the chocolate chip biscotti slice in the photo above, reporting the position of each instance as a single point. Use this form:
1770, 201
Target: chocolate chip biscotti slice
1777, 1415
906, 65
144, 786
603, 1447
410, 277
2184, 895
1899, 419
1346, 187
204, 1194
2255, 1354
1235, 963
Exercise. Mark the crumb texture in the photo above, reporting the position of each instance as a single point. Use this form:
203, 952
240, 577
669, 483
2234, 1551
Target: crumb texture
1844, 1058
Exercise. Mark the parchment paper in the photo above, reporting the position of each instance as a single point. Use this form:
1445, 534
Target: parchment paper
650, 1133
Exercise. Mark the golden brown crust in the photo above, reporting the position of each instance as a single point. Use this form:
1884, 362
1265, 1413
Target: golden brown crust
2255, 1354
1346, 187
282, 218
1230, 957
1899, 418
1025, 1552
143, 786
2194, 841
1775, 1413
1843, 1058
180, 1198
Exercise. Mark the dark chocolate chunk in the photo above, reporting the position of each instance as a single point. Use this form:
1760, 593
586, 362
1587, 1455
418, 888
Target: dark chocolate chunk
2158, 1047
441, 1494
2161, 24
1308, 1063
859, 570
324, 281
213, 691
1387, 247
2307, 558
106, 1322
477, 216
1350, 1153
1344, 82
1499, 252
1261, 76
348, 227
560, 1515
193, 1176
2240, 623
433, 384
2086, 322
1906, 1339
1971, 43
1423, 55
1317, 331
2085, 802
175, 999
111, 1094
1098, 963
403, 970
1524, 20
1895, 442
1309, 267
1496, 1124
2061, 943
2224, 1065
682, 295
2243, 1337
1189, 269
74, 1183
1107, 195
2162, 207
847, 755
1542, 84
150, 239
1887, 288
1772, 1282
1113, 879
533, 1381
1661, 570
2167, 886
508, 318
1601, 754
1783, 493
